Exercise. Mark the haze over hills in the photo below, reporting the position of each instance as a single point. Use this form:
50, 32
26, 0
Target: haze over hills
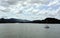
13, 20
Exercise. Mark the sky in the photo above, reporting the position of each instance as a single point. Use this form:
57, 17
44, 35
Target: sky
30, 9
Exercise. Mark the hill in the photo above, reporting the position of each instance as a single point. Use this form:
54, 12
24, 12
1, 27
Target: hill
13, 20
47, 20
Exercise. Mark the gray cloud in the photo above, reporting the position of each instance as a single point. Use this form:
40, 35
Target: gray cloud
12, 2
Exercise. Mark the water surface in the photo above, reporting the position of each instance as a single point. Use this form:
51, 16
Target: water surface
29, 30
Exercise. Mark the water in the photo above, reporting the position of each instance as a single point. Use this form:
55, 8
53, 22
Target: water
28, 30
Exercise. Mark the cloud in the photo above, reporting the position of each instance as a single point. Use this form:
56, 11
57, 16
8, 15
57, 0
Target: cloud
30, 9
53, 2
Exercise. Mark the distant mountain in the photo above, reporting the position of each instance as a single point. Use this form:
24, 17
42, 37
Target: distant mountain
47, 20
13, 20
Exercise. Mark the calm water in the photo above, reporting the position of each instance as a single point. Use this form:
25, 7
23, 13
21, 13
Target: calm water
29, 30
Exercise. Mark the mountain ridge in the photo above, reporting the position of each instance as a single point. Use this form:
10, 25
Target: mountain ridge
13, 20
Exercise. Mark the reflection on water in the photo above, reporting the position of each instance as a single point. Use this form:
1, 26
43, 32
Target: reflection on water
29, 30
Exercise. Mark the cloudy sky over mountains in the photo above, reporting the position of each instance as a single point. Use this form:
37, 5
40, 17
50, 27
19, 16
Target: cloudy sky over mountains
30, 9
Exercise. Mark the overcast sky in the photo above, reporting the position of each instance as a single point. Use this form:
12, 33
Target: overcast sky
30, 9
